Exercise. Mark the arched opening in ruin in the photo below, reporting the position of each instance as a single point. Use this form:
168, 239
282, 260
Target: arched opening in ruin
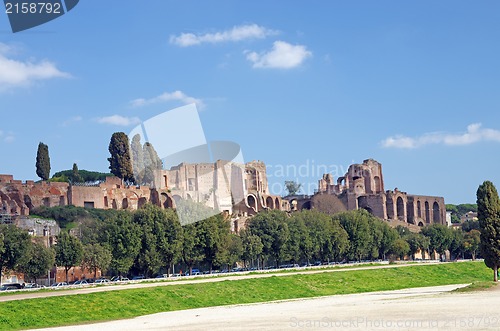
114, 205
368, 209
378, 184
307, 205
177, 199
420, 224
427, 212
46, 202
436, 213
269, 203
188, 196
410, 212
419, 209
389, 204
142, 201
400, 206
27, 202
252, 202
124, 203
62, 200
277, 203
368, 181
106, 202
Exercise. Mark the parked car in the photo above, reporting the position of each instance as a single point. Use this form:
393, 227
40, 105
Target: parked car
60, 284
102, 281
11, 287
119, 279
138, 277
81, 282
33, 285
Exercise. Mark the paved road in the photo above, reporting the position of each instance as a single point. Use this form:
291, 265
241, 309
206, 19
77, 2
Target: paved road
428, 308
177, 281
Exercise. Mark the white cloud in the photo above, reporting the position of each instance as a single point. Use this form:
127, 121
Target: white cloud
283, 56
17, 73
72, 120
119, 120
7, 137
237, 33
168, 96
475, 133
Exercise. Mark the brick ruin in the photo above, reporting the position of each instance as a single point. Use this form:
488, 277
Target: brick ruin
240, 190
362, 187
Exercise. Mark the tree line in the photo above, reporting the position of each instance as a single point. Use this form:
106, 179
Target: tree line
151, 240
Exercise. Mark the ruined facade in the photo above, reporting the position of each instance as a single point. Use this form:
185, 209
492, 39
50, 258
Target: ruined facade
239, 190
362, 187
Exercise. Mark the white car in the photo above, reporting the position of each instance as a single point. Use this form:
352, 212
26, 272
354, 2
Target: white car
102, 281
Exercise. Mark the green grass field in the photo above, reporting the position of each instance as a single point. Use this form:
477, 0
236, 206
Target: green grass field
87, 308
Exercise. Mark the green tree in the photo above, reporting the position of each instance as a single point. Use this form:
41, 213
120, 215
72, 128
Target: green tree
400, 248
137, 156
192, 249
161, 236
214, 239
472, 241
440, 237
75, 175
96, 257
386, 237
169, 238
299, 244
38, 261
43, 161
417, 242
123, 236
69, 251
488, 208
252, 247
357, 225
14, 247
152, 163
271, 228
292, 187
120, 163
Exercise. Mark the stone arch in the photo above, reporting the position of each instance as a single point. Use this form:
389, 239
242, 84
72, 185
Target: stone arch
410, 212
177, 199
436, 213
124, 203
252, 202
114, 205
277, 203
142, 201
419, 209
368, 181
390, 208
427, 212
400, 207
269, 203
306, 205
166, 201
378, 184
420, 224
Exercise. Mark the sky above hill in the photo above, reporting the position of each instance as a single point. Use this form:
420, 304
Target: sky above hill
306, 86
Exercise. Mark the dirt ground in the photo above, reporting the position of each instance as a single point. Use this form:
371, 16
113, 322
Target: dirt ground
427, 308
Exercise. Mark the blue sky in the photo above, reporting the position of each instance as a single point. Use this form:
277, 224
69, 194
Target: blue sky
301, 85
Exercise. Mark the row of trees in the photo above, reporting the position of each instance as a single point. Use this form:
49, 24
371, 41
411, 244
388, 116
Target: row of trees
150, 240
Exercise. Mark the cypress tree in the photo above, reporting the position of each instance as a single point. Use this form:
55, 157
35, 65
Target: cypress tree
43, 161
120, 162
137, 159
488, 212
